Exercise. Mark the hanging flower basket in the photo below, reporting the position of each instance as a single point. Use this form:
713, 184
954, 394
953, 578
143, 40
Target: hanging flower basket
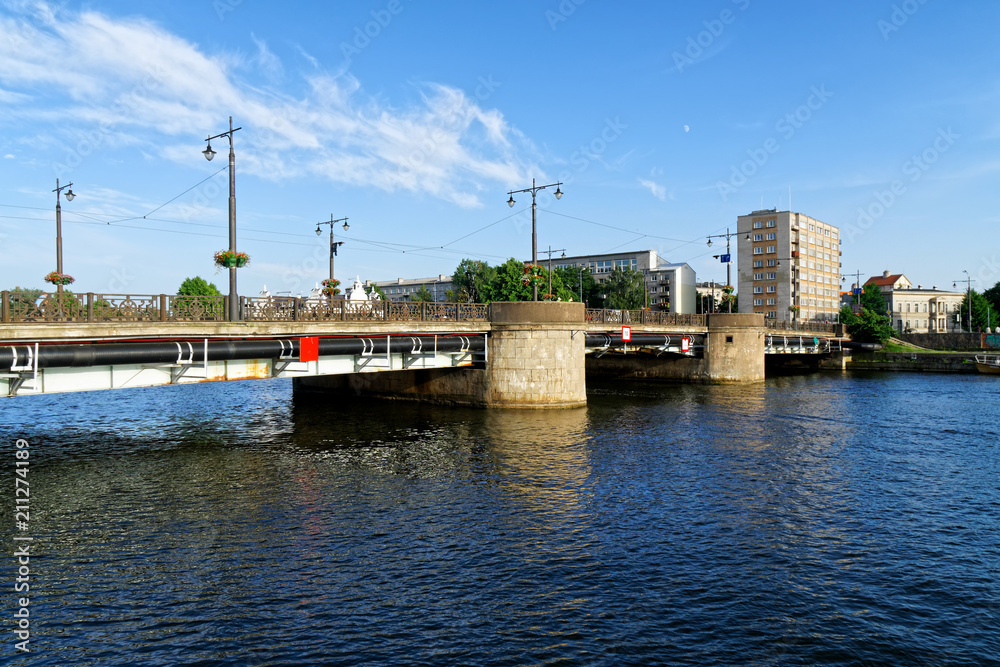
550, 297
228, 259
532, 275
57, 278
330, 287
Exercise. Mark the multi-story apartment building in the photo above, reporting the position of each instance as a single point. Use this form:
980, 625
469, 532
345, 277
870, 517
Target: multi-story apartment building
789, 266
402, 289
670, 286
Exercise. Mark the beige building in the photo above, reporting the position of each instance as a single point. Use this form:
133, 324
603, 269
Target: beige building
919, 309
789, 266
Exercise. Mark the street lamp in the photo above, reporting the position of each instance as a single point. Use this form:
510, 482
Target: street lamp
333, 246
728, 258
234, 306
550, 251
968, 280
534, 227
59, 265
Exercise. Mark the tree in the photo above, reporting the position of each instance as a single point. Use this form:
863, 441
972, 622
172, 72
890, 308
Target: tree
509, 284
198, 286
626, 290
472, 281
981, 307
868, 327
423, 294
873, 299
993, 297
577, 279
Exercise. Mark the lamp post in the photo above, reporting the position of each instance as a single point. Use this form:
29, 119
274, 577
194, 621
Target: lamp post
550, 251
968, 281
534, 227
59, 264
728, 256
333, 246
234, 306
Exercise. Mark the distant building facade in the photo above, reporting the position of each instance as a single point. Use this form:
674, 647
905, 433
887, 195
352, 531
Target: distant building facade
917, 309
671, 287
789, 266
403, 289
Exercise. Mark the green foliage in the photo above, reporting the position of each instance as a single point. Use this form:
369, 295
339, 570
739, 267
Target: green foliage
872, 299
198, 286
626, 290
981, 307
422, 295
993, 296
473, 281
24, 297
868, 327
575, 279
509, 284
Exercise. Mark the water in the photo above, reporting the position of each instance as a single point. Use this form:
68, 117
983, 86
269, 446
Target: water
824, 519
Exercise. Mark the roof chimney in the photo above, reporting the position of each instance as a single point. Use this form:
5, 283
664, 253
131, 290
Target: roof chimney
885, 274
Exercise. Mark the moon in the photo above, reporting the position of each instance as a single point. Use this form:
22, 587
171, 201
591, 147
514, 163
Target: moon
687, 128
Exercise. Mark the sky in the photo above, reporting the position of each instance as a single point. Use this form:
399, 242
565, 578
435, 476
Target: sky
663, 121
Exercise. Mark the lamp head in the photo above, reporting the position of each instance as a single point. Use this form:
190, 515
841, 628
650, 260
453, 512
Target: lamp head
558, 193
318, 232
208, 152
70, 195
510, 202
346, 226
710, 243
747, 237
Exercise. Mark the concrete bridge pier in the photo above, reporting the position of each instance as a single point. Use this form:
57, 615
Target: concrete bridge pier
735, 348
535, 359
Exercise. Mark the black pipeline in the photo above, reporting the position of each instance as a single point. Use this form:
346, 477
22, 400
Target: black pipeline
193, 351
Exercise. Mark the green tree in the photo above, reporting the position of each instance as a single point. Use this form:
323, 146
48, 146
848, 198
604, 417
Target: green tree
993, 297
868, 326
509, 283
873, 299
472, 281
577, 279
422, 294
626, 290
198, 286
981, 308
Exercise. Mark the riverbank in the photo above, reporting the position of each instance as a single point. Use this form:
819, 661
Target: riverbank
913, 361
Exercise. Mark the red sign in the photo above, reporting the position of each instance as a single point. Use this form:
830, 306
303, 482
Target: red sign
685, 344
309, 349
626, 334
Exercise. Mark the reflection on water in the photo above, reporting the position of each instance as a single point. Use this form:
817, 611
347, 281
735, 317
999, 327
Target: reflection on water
807, 520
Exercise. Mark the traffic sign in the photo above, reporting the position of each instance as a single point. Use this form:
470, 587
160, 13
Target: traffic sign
626, 334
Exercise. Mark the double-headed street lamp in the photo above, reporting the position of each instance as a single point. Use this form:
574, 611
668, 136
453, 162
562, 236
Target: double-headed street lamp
534, 228
968, 281
728, 258
69, 197
234, 306
333, 245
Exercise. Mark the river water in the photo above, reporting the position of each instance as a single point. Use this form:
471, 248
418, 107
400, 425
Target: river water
820, 519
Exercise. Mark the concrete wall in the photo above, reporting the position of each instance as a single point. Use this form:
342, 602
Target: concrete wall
926, 362
953, 341
446, 386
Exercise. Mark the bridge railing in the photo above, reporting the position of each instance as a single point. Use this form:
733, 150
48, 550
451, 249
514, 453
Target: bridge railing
626, 317
815, 327
23, 307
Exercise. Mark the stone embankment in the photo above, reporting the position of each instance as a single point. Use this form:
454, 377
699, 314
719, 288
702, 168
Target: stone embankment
923, 362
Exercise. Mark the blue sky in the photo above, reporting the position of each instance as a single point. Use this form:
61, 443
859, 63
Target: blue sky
664, 120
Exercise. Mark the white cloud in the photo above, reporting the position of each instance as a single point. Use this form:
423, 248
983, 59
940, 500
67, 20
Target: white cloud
133, 82
658, 190
8, 156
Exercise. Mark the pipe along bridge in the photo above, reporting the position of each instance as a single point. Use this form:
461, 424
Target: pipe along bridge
51, 368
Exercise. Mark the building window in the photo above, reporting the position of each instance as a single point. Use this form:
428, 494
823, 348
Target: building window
770, 249
758, 302
772, 302
758, 237
758, 290
771, 314
757, 224
772, 262
758, 263
770, 223
758, 250
758, 276
771, 276
770, 236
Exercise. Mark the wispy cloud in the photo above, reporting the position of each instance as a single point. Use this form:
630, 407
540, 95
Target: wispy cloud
659, 191
134, 82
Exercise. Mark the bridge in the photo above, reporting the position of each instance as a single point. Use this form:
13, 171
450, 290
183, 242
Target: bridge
526, 354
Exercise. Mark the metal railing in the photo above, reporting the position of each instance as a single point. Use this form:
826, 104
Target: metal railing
607, 316
815, 327
33, 307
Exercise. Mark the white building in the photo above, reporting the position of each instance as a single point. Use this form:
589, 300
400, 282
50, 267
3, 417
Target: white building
918, 309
